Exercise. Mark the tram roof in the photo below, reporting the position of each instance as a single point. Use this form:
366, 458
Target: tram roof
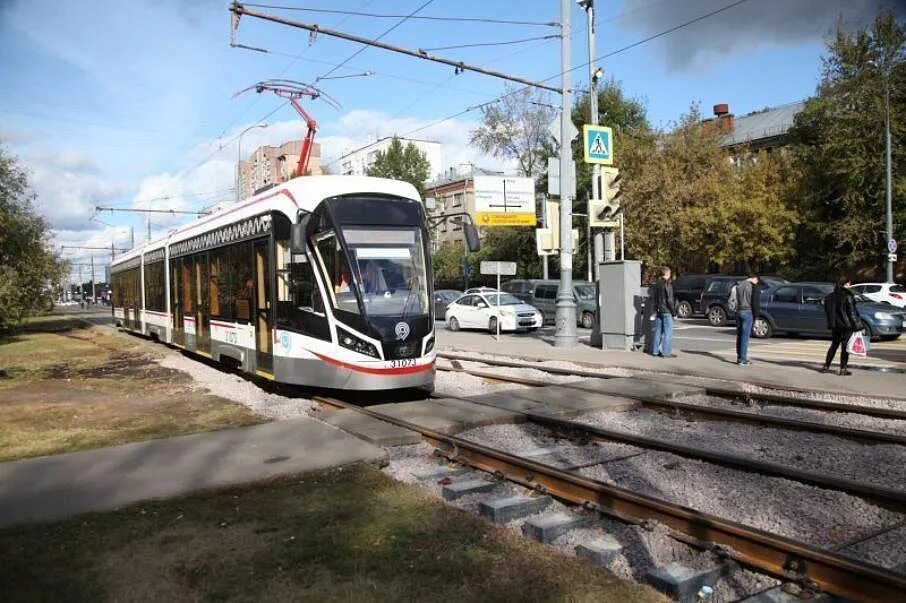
299, 193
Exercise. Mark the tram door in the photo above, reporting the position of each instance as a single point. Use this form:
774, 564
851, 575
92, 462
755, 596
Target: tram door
264, 346
179, 334
202, 315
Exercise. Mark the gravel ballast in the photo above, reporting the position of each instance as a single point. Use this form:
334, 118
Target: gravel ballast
879, 464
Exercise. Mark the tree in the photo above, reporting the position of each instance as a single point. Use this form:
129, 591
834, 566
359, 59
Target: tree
402, 163
29, 272
688, 206
840, 150
515, 127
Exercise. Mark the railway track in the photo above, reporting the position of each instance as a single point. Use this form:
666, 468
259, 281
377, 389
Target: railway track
770, 553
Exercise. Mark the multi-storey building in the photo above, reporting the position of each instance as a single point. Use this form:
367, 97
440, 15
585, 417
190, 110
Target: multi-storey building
268, 166
453, 193
357, 162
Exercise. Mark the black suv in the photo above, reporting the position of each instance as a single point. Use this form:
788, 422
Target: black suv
687, 291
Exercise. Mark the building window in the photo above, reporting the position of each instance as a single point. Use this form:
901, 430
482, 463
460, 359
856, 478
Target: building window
457, 199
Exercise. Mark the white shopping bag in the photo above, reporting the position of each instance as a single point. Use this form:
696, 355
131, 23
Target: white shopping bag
857, 344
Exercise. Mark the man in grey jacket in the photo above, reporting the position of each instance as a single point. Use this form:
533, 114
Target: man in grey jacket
748, 298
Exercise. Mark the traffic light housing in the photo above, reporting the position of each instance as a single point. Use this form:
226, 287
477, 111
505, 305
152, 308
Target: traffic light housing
605, 212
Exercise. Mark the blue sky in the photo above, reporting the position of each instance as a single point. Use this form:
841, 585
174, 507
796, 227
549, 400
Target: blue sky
129, 103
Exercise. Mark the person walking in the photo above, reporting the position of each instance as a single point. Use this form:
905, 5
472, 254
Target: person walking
664, 311
748, 304
843, 320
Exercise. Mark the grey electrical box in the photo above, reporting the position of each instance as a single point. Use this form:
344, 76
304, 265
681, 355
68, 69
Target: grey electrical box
621, 303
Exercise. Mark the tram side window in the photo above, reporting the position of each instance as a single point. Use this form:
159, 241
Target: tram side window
117, 282
188, 302
300, 305
154, 286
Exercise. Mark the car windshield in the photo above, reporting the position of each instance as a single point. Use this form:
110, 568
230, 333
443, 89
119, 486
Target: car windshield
506, 299
389, 270
898, 289
585, 292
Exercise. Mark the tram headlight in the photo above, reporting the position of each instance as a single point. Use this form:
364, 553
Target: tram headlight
429, 346
356, 344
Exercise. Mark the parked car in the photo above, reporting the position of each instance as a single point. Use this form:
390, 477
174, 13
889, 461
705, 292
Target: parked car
480, 311
717, 291
442, 298
885, 293
796, 308
687, 291
543, 295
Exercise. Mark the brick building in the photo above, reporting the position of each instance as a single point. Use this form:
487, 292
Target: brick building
268, 166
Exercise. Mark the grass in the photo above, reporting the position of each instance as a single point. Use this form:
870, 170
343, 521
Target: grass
69, 386
338, 535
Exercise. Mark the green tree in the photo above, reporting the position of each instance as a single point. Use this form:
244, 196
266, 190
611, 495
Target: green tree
688, 206
840, 150
515, 127
29, 272
402, 163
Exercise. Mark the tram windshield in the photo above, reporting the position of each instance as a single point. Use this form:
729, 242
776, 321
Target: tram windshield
388, 268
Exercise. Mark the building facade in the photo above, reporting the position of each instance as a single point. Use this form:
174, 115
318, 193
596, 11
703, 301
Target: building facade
453, 193
268, 166
765, 130
357, 162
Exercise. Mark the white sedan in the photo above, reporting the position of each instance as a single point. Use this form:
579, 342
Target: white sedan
884, 293
480, 311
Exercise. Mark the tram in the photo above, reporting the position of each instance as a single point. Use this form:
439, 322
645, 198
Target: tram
322, 281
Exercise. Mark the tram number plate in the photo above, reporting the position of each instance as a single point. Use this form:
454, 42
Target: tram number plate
402, 363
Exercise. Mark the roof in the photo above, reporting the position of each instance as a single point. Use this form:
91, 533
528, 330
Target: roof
765, 124
448, 178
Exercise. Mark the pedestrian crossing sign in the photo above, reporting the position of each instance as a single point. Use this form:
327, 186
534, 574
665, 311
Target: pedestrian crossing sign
598, 144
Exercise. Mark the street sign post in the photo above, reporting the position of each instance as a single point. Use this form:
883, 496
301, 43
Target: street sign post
504, 201
498, 268
597, 144
553, 177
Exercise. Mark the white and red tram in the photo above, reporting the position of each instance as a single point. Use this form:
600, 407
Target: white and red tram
322, 281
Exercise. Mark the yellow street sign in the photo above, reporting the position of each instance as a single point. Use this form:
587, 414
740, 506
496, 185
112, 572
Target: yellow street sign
486, 218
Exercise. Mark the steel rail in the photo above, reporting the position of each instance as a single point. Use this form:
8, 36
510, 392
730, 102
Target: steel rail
886, 413
737, 416
755, 548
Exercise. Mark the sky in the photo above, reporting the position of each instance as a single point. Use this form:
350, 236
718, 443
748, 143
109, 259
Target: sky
131, 104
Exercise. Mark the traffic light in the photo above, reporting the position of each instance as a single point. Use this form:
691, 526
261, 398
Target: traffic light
604, 212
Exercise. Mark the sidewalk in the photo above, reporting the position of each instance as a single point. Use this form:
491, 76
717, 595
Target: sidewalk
780, 373
54, 487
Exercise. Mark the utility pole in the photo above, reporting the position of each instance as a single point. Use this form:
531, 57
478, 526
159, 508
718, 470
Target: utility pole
565, 335
593, 75
889, 204
93, 294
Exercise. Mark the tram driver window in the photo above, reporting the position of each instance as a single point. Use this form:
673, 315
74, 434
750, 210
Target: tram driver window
300, 306
341, 280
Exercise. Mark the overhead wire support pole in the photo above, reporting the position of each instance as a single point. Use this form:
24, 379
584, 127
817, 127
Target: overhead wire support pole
239, 10
565, 335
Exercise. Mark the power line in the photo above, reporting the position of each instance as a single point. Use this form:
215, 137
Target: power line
426, 18
363, 48
478, 44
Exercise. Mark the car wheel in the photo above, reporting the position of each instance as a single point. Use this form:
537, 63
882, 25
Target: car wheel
684, 309
761, 328
871, 336
492, 325
588, 320
717, 316
454, 324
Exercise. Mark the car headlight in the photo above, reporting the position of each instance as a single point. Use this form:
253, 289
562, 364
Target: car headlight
506, 311
883, 315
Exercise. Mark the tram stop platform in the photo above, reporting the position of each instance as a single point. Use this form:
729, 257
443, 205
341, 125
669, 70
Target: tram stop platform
55, 487
689, 368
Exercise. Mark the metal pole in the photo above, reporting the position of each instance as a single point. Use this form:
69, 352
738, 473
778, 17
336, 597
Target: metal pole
93, 294
565, 335
239, 158
889, 204
622, 240
593, 120
547, 224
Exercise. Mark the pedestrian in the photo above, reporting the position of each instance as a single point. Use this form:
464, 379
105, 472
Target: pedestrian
843, 320
664, 310
748, 304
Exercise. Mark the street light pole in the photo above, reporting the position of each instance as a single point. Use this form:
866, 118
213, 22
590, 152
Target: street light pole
239, 158
889, 204
594, 74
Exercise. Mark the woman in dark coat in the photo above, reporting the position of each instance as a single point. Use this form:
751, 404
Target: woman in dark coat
843, 320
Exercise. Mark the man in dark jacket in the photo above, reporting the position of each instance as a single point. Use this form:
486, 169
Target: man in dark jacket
843, 320
664, 310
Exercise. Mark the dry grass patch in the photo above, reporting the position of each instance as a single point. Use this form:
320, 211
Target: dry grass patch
71, 387
338, 535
